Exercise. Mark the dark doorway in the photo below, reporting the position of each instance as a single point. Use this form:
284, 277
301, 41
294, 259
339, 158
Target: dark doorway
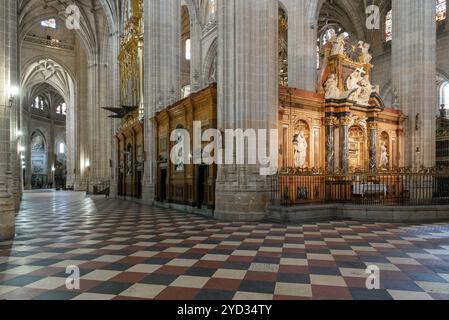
120, 185
201, 186
139, 185
163, 186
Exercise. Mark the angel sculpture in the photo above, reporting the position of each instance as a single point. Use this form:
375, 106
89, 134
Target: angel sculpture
365, 57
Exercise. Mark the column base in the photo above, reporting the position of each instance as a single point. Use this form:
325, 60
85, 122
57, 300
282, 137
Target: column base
246, 206
239, 216
17, 201
7, 216
148, 195
113, 189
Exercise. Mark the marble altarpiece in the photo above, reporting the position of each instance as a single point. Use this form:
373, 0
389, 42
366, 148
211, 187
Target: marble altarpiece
344, 126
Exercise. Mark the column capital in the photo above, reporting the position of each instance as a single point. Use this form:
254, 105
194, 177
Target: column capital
331, 121
372, 125
346, 120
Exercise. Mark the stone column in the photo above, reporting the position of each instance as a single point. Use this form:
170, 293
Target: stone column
372, 131
195, 61
414, 76
344, 143
247, 97
330, 146
26, 141
302, 41
8, 73
162, 75
15, 187
114, 100
51, 145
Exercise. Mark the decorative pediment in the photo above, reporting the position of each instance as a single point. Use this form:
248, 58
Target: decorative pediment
377, 101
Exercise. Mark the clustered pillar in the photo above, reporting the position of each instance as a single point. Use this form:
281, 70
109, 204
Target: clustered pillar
414, 76
302, 35
247, 97
8, 79
162, 74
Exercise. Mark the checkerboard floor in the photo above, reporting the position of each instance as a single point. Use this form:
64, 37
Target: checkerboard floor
130, 251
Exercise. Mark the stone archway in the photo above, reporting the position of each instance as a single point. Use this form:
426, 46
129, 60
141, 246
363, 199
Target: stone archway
51, 72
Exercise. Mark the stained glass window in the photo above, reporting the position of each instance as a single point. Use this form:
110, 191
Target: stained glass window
389, 26
441, 15
441, 10
50, 23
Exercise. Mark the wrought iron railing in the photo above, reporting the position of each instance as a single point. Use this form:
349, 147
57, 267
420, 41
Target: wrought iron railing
402, 187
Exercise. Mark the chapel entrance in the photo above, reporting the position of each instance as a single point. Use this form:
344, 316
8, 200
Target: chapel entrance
201, 187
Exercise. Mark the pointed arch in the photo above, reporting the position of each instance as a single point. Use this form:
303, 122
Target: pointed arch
209, 68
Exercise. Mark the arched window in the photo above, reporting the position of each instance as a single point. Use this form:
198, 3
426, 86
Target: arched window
61, 148
128, 9
50, 23
62, 109
389, 26
441, 10
39, 103
212, 10
188, 49
441, 15
39, 161
444, 95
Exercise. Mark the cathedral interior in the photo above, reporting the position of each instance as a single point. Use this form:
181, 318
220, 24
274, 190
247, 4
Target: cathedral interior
224, 149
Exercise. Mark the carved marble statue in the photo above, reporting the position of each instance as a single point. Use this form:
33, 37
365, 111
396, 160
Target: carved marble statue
365, 57
366, 90
331, 88
383, 155
352, 83
338, 44
300, 149
359, 88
